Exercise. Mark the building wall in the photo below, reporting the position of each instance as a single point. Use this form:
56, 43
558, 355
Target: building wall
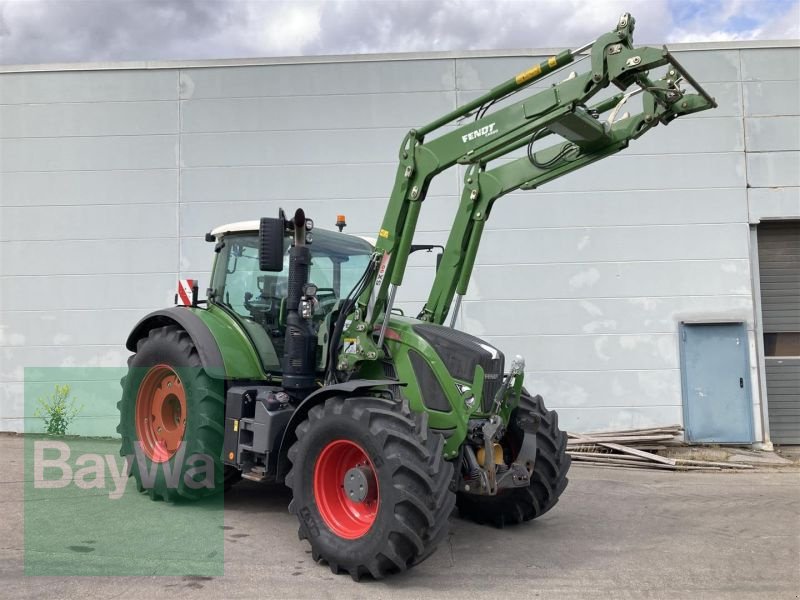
110, 178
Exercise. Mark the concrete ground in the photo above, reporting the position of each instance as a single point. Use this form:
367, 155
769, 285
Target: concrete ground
615, 534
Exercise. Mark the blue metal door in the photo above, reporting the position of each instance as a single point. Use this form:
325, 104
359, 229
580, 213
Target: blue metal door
717, 406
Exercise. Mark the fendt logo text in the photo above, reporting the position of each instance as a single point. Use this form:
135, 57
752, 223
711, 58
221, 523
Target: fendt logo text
484, 131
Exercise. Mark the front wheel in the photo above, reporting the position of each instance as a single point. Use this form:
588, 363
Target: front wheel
370, 485
548, 482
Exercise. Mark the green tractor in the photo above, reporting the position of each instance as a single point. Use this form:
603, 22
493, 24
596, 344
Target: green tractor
297, 368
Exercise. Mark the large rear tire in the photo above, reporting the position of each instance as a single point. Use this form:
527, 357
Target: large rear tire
393, 468
171, 416
548, 482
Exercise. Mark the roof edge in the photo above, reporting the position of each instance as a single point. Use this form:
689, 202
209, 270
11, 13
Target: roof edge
353, 58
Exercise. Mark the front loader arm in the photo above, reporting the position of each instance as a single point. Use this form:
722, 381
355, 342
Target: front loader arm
561, 108
482, 188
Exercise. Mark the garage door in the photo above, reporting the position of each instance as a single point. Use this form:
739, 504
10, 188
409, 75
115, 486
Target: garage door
779, 264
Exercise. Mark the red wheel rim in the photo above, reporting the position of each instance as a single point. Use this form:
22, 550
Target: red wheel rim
160, 413
346, 518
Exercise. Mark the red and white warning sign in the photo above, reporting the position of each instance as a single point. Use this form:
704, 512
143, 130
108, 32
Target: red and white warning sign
184, 296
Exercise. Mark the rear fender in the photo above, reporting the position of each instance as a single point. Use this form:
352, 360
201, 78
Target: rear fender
225, 350
318, 397
204, 341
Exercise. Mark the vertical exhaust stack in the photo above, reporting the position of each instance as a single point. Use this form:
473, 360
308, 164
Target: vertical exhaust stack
301, 341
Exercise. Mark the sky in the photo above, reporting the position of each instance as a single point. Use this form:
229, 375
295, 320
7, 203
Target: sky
52, 31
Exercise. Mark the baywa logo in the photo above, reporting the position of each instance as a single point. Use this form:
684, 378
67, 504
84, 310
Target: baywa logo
485, 131
95, 471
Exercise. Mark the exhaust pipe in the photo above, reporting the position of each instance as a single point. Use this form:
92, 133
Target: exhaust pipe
300, 345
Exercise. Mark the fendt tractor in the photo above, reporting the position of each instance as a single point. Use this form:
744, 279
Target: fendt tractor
298, 369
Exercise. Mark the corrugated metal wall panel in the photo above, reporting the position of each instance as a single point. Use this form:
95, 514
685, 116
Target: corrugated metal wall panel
779, 263
124, 171
783, 389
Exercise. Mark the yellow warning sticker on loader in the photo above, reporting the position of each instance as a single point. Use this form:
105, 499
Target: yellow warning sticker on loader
529, 74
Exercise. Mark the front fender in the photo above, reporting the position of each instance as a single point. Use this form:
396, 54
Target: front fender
312, 400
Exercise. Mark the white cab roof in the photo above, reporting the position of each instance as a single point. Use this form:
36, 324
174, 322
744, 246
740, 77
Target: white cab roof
253, 226
235, 227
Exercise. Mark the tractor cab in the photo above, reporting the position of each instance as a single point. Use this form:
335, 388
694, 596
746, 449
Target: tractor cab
257, 299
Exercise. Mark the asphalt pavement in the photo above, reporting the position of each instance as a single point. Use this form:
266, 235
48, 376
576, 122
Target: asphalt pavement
615, 534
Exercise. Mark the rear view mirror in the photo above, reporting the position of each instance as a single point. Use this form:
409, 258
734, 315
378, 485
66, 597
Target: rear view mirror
429, 248
270, 244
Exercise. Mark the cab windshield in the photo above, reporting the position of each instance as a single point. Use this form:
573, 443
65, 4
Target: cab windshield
258, 297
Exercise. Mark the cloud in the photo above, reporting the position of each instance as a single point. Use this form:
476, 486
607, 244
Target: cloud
286, 29
352, 26
720, 20
94, 30
38, 31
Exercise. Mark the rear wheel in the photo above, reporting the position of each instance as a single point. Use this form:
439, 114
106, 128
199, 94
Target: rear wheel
548, 482
171, 416
370, 485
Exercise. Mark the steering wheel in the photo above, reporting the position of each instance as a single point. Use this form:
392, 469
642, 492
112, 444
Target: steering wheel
262, 307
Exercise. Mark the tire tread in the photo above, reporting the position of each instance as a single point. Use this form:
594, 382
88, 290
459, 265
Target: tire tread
422, 499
